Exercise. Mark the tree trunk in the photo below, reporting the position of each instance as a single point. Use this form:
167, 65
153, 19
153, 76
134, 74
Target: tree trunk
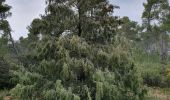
79, 21
163, 48
13, 43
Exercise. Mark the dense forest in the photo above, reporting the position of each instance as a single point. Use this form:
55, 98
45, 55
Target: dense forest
78, 50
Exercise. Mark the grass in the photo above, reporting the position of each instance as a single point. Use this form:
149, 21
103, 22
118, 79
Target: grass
150, 68
3, 93
158, 94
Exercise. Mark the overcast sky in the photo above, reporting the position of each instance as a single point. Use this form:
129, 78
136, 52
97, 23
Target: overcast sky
24, 11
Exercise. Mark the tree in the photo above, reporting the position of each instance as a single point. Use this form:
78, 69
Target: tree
156, 11
4, 28
70, 68
4, 10
4, 73
85, 64
129, 29
92, 20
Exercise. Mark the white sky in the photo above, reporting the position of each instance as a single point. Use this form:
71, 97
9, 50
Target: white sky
24, 11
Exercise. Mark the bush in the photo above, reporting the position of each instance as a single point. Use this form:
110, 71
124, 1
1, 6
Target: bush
151, 74
71, 69
3, 93
4, 73
154, 74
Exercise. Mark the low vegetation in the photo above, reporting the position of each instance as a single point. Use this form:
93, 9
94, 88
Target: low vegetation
86, 53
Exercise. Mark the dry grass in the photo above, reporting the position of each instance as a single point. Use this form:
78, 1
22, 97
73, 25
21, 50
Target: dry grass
153, 94
5, 95
158, 94
7, 98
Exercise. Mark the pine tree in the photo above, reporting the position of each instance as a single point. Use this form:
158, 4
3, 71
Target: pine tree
70, 68
129, 29
157, 12
4, 10
92, 20
84, 63
4, 28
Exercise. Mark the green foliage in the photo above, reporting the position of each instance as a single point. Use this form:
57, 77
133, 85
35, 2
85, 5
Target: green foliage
92, 20
4, 73
70, 69
152, 71
3, 93
155, 22
4, 10
73, 53
151, 74
129, 29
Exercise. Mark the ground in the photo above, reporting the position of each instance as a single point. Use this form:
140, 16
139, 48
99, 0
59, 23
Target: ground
153, 94
158, 94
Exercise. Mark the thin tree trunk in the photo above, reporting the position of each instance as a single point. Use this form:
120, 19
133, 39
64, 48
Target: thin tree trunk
13, 43
163, 48
79, 21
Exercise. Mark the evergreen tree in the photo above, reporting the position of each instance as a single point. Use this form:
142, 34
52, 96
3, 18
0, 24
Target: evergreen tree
72, 56
71, 69
92, 20
73, 53
4, 10
4, 30
155, 15
129, 29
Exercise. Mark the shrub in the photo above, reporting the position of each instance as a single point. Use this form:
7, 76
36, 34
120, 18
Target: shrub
4, 73
71, 69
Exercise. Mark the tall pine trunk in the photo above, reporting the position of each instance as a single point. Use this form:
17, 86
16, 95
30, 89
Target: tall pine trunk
79, 21
163, 48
